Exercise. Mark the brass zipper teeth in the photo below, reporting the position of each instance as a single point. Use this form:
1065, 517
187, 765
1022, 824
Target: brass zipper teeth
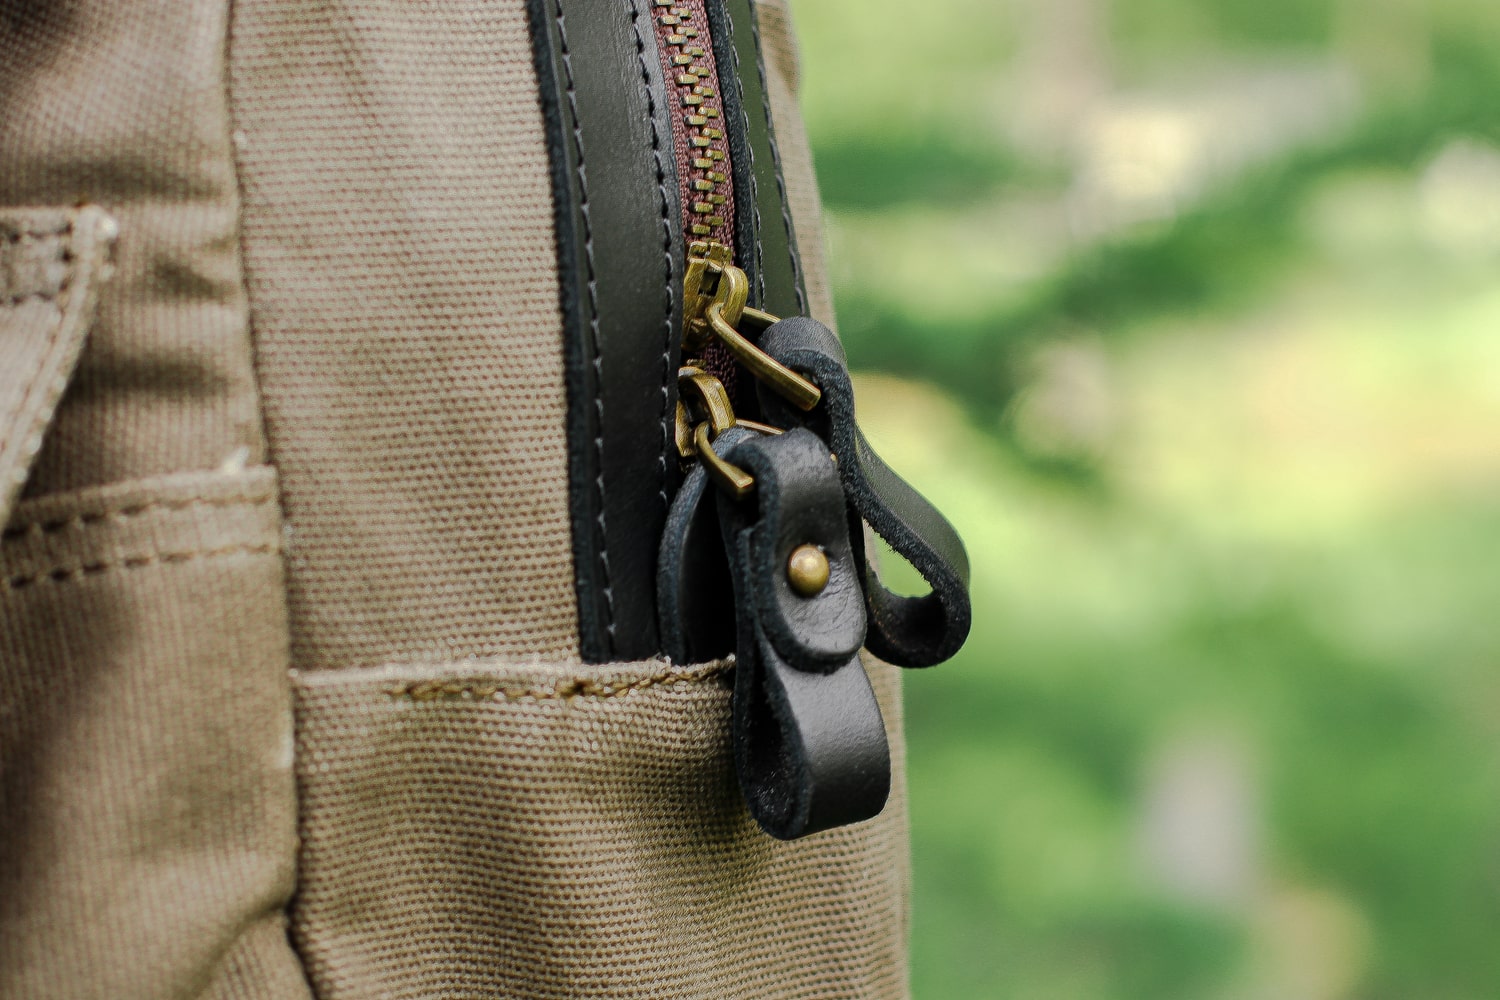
702, 150
714, 290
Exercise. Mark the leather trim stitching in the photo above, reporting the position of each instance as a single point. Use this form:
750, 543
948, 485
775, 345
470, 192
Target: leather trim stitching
666, 252
593, 283
786, 211
68, 574
565, 690
749, 153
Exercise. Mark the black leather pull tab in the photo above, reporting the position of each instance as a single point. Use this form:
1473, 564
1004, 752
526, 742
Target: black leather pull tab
694, 597
907, 631
809, 741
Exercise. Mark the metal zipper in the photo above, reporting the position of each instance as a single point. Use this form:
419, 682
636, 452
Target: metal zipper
714, 289
702, 150
809, 740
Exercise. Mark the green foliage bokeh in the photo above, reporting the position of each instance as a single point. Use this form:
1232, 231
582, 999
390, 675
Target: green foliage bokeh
1269, 563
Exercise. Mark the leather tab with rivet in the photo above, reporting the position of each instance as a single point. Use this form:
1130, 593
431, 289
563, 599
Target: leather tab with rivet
810, 743
906, 631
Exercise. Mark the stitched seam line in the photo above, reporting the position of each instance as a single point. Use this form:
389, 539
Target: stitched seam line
25, 396
749, 148
83, 521
16, 235
236, 142
68, 574
786, 210
666, 253
60, 253
40, 296
450, 690
593, 284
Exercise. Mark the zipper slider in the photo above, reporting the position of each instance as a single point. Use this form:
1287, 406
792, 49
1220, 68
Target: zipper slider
711, 401
710, 277
762, 553
713, 305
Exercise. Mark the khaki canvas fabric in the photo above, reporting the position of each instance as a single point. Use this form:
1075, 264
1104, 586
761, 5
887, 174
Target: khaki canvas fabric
148, 843
147, 803
121, 103
360, 683
506, 830
402, 267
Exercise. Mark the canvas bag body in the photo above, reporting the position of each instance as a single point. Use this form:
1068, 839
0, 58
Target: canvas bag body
292, 702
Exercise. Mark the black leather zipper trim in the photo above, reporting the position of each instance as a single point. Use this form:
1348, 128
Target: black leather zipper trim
620, 260
765, 239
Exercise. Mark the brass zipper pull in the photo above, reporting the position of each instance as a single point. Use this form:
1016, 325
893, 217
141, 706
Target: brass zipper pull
714, 293
701, 393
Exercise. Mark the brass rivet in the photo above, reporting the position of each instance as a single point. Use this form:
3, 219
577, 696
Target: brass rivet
807, 570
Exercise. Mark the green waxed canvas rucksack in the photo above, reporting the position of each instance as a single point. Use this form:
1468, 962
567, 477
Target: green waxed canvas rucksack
434, 552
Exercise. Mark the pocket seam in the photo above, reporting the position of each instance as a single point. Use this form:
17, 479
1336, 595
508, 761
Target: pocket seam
59, 254
564, 689
93, 519
67, 537
68, 573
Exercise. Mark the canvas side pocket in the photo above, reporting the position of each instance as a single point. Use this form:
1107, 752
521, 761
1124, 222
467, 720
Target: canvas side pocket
554, 830
148, 840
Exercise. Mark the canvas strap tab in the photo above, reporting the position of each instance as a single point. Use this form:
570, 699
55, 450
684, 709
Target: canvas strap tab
52, 261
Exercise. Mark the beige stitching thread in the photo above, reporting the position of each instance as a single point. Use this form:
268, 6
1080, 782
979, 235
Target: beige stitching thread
16, 235
53, 332
88, 520
67, 574
478, 690
62, 252
16, 300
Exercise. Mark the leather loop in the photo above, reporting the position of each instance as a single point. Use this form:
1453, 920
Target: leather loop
694, 597
907, 631
810, 743
810, 749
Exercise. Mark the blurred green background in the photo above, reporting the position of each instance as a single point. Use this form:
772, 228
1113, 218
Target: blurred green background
1186, 312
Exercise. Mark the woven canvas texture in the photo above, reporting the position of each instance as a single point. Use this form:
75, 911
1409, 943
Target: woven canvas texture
146, 788
546, 831
147, 802
401, 258
364, 184
121, 103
